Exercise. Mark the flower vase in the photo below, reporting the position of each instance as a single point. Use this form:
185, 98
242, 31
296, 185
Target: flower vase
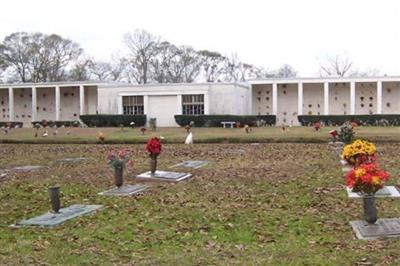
153, 164
370, 212
118, 176
54, 193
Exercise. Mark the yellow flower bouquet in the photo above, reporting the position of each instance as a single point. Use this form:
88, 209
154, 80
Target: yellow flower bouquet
358, 152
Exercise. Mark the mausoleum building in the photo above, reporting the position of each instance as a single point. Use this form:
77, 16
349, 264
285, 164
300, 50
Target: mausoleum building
285, 98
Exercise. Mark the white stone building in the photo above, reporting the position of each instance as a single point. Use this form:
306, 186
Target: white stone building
288, 98
285, 98
66, 101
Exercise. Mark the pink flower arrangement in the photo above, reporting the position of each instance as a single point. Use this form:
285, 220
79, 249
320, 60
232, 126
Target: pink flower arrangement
119, 159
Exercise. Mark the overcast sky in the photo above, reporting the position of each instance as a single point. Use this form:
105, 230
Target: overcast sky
266, 33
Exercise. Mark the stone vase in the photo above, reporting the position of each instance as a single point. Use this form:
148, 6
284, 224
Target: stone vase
54, 193
118, 176
370, 211
153, 164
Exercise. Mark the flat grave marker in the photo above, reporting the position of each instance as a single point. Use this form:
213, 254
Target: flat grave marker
125, 190
164, 176
389, 227
191, 164
385, 192
73, 159
26, 168
54, 219
236, 152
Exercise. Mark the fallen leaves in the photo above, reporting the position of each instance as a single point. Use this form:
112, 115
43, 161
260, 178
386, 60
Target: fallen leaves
277, 200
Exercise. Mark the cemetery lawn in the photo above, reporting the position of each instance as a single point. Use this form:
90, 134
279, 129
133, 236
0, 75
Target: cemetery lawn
201, 135
268, 204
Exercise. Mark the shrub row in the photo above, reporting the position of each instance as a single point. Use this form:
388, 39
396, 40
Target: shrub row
57, 123
113, 120
215, 120
11, 124
337, 120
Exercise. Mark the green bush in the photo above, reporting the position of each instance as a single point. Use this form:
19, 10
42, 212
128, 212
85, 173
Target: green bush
215, 120
113, 120
58, 123
11, 124
365, 120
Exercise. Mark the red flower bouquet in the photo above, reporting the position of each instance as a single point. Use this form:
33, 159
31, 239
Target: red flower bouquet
153, 147
333, 133
367, 178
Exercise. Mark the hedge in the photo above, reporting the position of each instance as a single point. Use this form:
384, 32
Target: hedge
58, 123
11, 124
113, 120
337, 120
215, 120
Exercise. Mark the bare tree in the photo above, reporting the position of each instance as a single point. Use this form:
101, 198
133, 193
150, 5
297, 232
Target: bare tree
286, 71
101, 70
14, 52
58, 53
118, 66
212, 64
80, 70
185, 65
162, 61
237, 71
338, 66
38, 57
371, 72
141, 45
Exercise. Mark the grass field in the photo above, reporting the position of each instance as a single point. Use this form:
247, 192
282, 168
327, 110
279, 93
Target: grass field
201, 135
271, 204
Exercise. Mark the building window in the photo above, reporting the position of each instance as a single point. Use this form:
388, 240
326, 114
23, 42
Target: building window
133, 105
193, 104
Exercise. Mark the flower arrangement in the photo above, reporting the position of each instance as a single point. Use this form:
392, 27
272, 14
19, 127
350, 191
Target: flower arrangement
367, 178
247, 129
334, 134
346, 133
153, 146
317, 126
100, 137
119, 159
45, 123
359, 152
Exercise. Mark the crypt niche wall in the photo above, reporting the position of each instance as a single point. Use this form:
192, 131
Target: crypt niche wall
23, 105
262, 99
365, 98
45, 104
69, 103
4, 107
339, 98
313, 99
287, 104
391, 97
